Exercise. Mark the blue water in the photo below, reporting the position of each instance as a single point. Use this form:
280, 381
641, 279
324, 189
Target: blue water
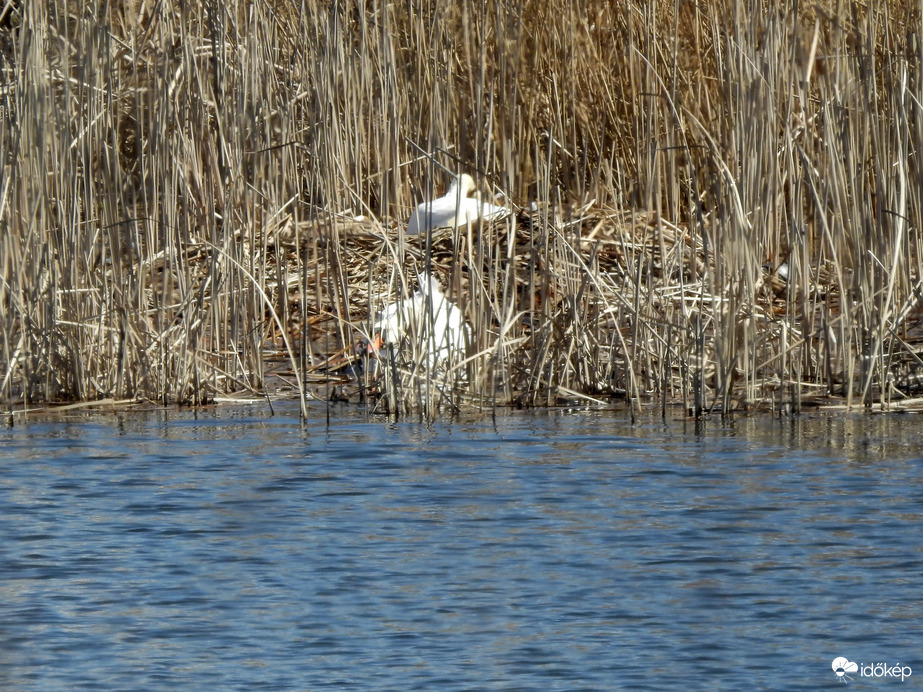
229, 549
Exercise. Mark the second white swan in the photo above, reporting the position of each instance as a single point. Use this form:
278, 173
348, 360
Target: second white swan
433, 326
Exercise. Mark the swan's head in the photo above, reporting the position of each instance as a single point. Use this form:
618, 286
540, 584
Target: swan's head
465, 183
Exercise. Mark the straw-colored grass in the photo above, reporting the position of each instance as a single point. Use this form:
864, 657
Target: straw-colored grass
199, 199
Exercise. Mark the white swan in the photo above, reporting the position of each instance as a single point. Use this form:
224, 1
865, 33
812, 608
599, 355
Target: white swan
455, 208
428, 319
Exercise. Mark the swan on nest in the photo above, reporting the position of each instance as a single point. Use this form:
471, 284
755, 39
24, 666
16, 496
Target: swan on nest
455, 208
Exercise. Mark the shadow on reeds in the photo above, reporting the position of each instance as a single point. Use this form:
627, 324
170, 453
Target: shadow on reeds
718, 208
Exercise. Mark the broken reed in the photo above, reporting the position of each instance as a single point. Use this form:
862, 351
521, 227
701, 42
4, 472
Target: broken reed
181, 180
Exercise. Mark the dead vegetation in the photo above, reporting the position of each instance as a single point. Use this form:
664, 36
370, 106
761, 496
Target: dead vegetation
719, 207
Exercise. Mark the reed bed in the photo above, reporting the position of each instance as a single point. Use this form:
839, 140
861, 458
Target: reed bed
717, 204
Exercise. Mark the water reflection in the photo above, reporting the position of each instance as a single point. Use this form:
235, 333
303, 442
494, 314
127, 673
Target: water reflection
229, 549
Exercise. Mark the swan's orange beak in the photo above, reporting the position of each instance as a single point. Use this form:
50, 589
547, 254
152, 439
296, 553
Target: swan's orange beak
374, 346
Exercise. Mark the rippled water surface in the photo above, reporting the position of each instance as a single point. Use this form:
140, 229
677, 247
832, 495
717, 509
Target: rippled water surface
229, 549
